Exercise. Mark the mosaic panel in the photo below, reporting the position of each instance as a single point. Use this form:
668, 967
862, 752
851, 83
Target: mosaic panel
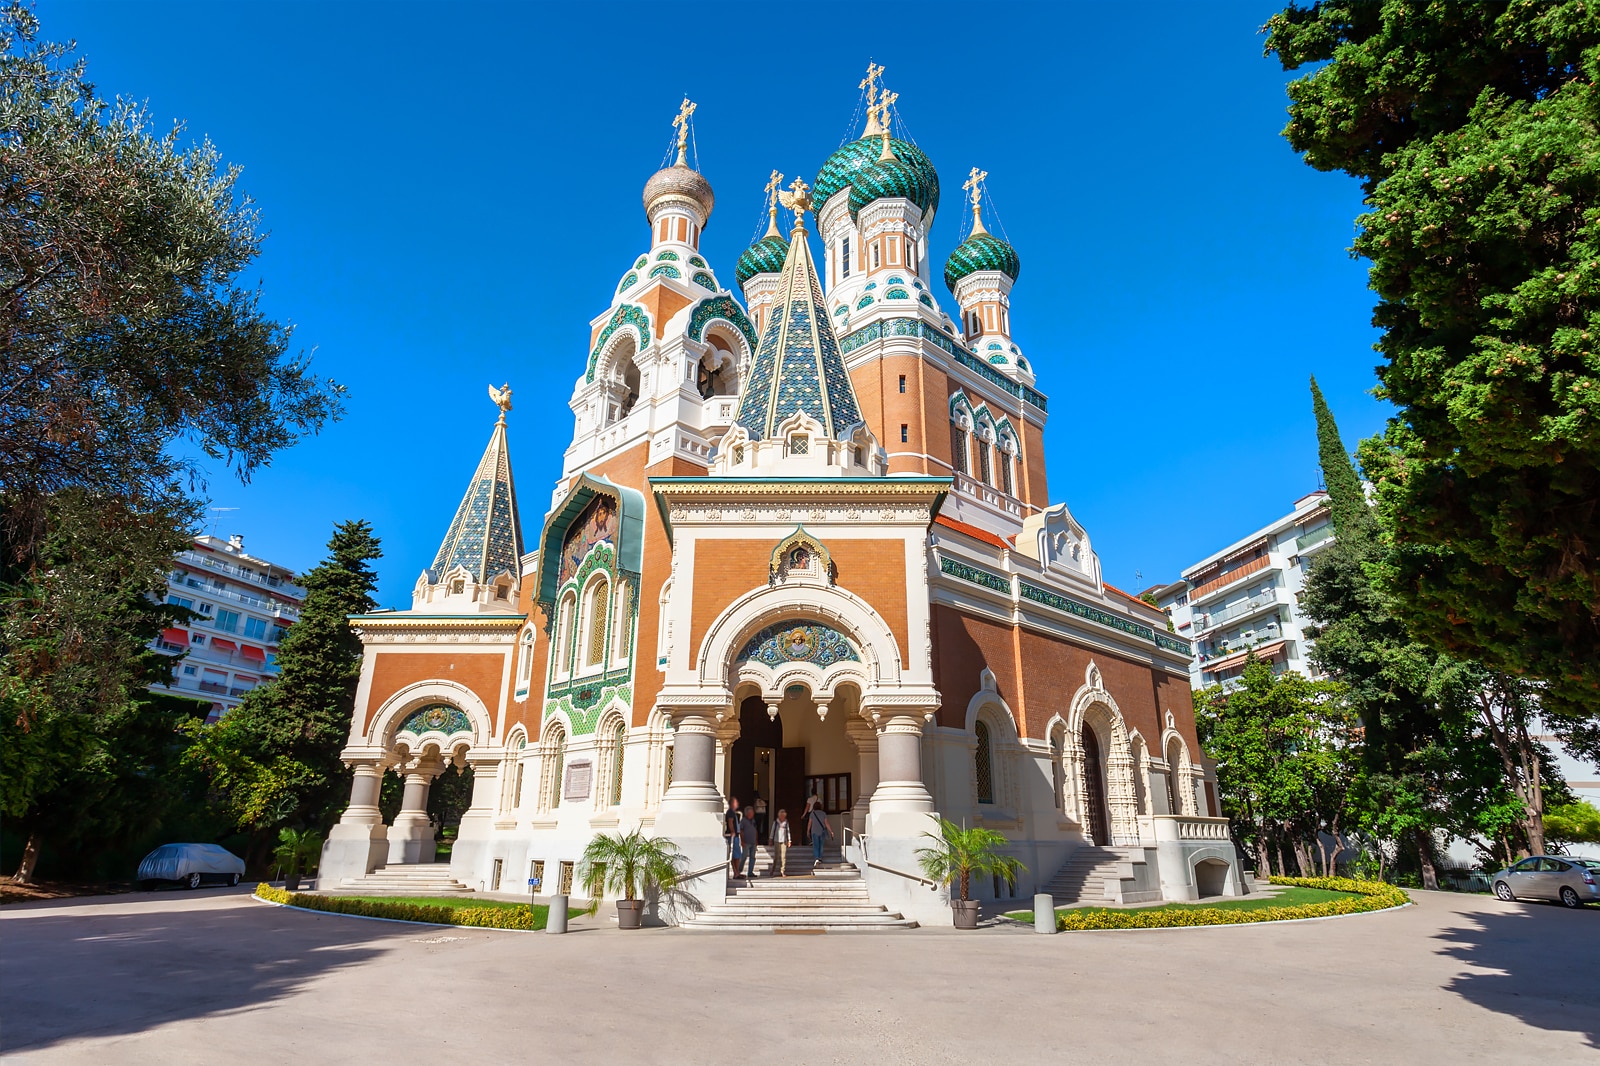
667, 257
665, 270
725, 308
441, 718
696, 261
643, 259
869, 286
1171, 643
961, 570
704, 280
808, 642
1083, 610
865, 301
628, 282
625, 315
897, 294
597, 525
923, 299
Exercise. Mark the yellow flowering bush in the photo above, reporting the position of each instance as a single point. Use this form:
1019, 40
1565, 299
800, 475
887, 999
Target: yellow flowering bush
1365, 896
527, 918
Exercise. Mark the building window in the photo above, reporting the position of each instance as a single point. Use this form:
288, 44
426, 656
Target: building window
905, 433
985, 474
958, 447
902, 383
525, 664
620, 738
874, 257
619, 648
555, 765
1005, 474
596, 610
197, 638
983, 763
227, 621
844, 257
256, 628
569, 607
179, 601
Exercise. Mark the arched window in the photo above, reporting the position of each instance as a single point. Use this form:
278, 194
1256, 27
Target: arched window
619, 629
555, 761
958, 447
594, 608
622, 390
1004, 456
1058, 770
620, 737
565, 623
525, 660
983, 763
985, 471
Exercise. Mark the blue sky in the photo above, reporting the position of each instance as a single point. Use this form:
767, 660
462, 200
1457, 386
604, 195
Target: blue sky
452, 193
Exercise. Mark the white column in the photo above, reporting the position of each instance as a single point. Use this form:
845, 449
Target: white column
364, 790
694, 759
865, 738
900, 787
691, 817
411, 836
359, 843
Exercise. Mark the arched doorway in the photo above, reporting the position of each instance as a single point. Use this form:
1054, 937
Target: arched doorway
782, 760
1094, 786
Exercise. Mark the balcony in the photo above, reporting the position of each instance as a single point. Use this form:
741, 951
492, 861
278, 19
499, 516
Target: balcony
238, 573
1213, 620
214, 686
1217, 584
1315, 537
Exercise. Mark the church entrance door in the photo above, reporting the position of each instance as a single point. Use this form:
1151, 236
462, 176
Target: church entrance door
1094, 797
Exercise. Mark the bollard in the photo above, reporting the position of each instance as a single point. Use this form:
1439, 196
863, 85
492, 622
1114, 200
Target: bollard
557, 922
1044, 913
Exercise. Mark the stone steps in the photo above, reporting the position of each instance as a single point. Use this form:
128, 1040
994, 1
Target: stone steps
833, 899
1100, 875
414, 879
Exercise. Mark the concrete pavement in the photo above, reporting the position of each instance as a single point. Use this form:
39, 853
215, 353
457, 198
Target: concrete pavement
213, 975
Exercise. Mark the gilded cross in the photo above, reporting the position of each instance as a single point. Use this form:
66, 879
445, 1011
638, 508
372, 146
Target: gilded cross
870, 83
681, 124
772, 203
885, 102
974, 185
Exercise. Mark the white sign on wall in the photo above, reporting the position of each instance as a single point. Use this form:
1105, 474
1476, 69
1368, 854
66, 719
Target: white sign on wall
579, 777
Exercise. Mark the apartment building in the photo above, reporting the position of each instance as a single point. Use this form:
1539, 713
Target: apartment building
244, 604
1247, 596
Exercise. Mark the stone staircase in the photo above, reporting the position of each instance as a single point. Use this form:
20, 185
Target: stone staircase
828, 898
1101, 875
410, 879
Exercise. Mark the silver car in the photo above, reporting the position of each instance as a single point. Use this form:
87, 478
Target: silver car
191, 865
1572, 881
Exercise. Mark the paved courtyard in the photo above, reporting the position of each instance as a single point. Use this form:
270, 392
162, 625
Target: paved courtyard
215, 976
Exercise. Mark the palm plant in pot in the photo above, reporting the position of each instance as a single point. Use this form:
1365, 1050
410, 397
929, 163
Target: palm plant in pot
629, 865
295, 848
957, 854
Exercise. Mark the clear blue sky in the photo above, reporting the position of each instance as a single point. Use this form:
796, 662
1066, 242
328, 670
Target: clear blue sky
453, 192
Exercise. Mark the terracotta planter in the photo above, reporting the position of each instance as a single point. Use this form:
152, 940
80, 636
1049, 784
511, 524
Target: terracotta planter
966, 913
630, 912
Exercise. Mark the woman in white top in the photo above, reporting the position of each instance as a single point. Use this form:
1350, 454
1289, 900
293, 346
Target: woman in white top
780, 841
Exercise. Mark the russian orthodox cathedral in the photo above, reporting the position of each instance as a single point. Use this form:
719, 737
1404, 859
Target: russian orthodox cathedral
801, 546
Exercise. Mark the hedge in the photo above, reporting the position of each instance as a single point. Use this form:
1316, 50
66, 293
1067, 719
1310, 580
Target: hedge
481, 917
1366, 896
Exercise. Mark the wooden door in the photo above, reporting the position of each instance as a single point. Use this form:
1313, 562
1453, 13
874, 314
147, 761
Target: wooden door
789, 787
1094, 794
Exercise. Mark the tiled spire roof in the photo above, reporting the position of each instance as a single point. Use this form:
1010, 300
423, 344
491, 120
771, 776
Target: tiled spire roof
486, 536
797, 366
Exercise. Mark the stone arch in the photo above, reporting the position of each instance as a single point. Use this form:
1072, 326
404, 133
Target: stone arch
1180, 772
1094, 708
1214, 871
1140, 753
1005, 742
394, 711
626, 319
881, 655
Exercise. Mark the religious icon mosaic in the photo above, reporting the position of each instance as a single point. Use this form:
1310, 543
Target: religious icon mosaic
809, 642
596, 525
440, 718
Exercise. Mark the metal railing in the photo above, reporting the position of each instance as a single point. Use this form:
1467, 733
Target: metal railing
1315, 537
932, 885
239, 572
1214, 619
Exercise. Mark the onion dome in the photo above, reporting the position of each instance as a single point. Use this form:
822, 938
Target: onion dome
885, 179
679, 182
981, 251
766, 256
843, 165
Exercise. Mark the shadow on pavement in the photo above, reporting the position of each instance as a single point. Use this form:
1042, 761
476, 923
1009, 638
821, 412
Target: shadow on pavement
96, 970
1542, 973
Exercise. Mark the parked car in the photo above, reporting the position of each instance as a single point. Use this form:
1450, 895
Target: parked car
1572, 881
191, 865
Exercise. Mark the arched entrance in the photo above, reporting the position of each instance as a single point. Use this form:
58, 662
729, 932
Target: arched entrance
781, 760
1094, 783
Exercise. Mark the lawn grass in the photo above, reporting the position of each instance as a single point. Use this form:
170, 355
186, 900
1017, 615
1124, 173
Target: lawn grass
453, 902
1284, 897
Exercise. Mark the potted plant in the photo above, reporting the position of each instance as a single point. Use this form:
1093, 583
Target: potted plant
630, 865
959, 853
295, 848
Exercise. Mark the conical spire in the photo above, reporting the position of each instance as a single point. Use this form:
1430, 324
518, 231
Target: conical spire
486, 536
797, 366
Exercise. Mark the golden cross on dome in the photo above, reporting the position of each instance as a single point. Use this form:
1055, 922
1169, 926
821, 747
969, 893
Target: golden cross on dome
974, 185
772, 203
681, 124
798, 200
885, 102
501, 398
870, 83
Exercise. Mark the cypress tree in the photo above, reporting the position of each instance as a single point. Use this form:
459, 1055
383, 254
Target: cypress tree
1346, 499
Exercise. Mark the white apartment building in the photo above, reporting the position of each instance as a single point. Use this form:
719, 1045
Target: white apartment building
245, 605
1247, 596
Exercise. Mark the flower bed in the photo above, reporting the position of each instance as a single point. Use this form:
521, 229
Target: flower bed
1364, 896
519, 917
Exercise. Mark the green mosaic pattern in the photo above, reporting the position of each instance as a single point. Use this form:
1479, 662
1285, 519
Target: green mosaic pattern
865, 301
625, 315
725, 308
1171, 643
628, 282
643, 259
584, 703
976, 576
897, 294
887, 179
911, 327
981, 251
1083, 610
766, 256
704, 280
809, 642
696, 261
440, 718
665, 270
667, 257
842, 166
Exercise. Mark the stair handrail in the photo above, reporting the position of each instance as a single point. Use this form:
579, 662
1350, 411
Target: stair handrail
862, 837
723, 866
932, 885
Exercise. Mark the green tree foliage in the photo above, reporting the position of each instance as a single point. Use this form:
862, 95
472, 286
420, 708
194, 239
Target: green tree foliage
1288, 760
1573, 823
275, 757
125, 327
1473, 129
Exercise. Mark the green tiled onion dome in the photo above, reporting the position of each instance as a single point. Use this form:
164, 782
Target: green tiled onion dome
883, 179
981, 251
766, 256
842, 166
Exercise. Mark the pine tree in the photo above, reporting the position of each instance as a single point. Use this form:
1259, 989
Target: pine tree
277, 753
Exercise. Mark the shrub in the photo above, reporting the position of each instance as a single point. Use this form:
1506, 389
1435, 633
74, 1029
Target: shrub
1365, 896
527, 918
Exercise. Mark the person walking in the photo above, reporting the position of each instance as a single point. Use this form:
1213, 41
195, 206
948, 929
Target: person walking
812, 801
819, 831
730, 833
749, 839
780, 843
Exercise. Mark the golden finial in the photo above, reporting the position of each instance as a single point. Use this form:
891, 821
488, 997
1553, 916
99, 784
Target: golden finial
885, 102
974, 185
772, 204
681, 124
501, 398
798, 200
870, 83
